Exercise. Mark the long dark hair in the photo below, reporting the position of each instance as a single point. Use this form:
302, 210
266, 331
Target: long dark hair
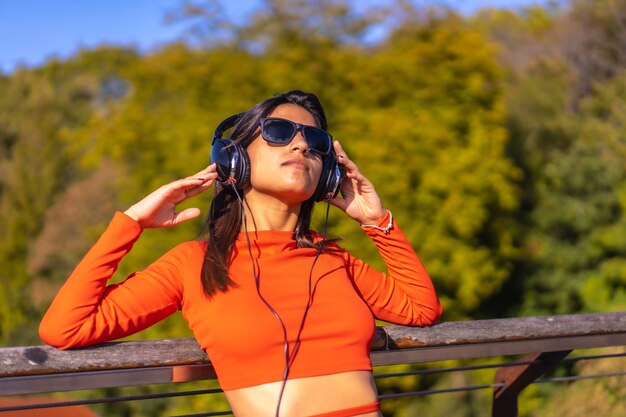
224, 220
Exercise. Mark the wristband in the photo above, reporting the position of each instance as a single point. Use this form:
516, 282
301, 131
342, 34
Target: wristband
385, 229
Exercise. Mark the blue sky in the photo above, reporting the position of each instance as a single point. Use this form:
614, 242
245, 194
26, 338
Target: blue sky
32, 31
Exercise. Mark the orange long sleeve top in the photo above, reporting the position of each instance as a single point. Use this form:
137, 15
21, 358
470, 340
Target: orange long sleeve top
241, 336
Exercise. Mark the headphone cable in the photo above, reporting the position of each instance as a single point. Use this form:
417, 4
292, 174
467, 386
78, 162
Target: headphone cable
310, 300
289, 357
296, 344
269, 306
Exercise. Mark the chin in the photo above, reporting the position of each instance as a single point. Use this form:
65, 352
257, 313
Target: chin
296, 195
302, 190
290, 193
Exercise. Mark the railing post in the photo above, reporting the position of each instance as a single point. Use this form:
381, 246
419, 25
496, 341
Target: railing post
516, 378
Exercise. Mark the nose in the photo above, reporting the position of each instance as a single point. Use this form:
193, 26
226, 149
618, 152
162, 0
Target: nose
299, 143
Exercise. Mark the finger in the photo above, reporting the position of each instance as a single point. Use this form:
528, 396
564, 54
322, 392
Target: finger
180, 190
195, 181
206, 174
208, 169
206, 177
343, 159
187, 214
351, 169
339, 202
339, 150
199, 189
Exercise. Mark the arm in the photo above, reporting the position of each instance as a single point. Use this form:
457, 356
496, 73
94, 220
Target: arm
406, 294
87, 311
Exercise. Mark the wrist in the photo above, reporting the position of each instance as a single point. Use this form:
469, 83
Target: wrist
134, 216
375, 218
384, 223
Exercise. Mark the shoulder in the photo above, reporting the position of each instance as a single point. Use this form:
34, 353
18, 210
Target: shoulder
186, 251
191, 246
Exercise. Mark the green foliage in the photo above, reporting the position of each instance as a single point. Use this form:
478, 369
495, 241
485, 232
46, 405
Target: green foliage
574, 243
456, 190
37, 108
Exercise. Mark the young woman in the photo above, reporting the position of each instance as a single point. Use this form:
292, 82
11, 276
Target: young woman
285, 315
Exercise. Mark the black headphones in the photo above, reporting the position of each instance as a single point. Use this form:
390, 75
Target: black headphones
233, 164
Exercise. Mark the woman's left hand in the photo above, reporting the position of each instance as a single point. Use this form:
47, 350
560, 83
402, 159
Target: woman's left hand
358, 198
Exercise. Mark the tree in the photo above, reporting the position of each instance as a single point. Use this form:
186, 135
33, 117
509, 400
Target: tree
38, 108
571, 184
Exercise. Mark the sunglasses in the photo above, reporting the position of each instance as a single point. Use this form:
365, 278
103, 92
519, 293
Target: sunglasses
282, 131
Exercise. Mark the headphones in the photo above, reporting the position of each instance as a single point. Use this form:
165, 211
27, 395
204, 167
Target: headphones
233, 164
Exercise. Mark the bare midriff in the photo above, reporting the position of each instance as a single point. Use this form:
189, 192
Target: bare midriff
306, 396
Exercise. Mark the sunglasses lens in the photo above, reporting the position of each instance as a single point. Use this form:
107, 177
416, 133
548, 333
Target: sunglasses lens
281, 131
317, 139
278, 131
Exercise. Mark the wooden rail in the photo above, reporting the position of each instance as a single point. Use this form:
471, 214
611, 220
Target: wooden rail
37, 369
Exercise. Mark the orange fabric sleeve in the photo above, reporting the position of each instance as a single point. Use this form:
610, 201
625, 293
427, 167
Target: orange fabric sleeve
405, 294
86, 311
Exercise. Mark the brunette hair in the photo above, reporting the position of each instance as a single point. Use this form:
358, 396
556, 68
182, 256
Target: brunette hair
224, 220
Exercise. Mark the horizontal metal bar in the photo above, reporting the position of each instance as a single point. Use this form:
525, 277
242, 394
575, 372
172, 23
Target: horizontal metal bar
454, 369
438, 391
84, 380
495, 385
579, 377
107, 400
594, 357
185, 373
503, 348
73, 381
210, 414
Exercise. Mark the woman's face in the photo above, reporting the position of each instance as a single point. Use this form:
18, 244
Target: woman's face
289, 172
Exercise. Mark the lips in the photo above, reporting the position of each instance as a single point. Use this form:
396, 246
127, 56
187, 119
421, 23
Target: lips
297, 163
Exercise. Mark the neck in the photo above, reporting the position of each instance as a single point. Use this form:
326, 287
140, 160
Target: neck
265, 212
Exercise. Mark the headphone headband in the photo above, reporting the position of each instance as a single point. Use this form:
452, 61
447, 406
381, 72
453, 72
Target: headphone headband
224, 126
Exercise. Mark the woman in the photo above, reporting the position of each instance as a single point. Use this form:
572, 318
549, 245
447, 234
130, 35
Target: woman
286, 316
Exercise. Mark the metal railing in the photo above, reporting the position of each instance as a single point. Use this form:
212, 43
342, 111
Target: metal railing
546, 342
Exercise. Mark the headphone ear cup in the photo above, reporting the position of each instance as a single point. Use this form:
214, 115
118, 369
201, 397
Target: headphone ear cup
232, 163
330, 180
222, 156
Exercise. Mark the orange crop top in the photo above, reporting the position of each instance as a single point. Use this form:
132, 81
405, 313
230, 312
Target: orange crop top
241, 336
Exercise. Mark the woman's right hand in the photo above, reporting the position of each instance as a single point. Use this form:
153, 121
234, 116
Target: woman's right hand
158, 209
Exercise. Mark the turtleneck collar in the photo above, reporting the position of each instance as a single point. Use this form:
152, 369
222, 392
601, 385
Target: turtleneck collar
267, 242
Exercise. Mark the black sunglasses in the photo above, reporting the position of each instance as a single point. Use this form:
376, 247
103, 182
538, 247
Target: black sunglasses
282, 131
